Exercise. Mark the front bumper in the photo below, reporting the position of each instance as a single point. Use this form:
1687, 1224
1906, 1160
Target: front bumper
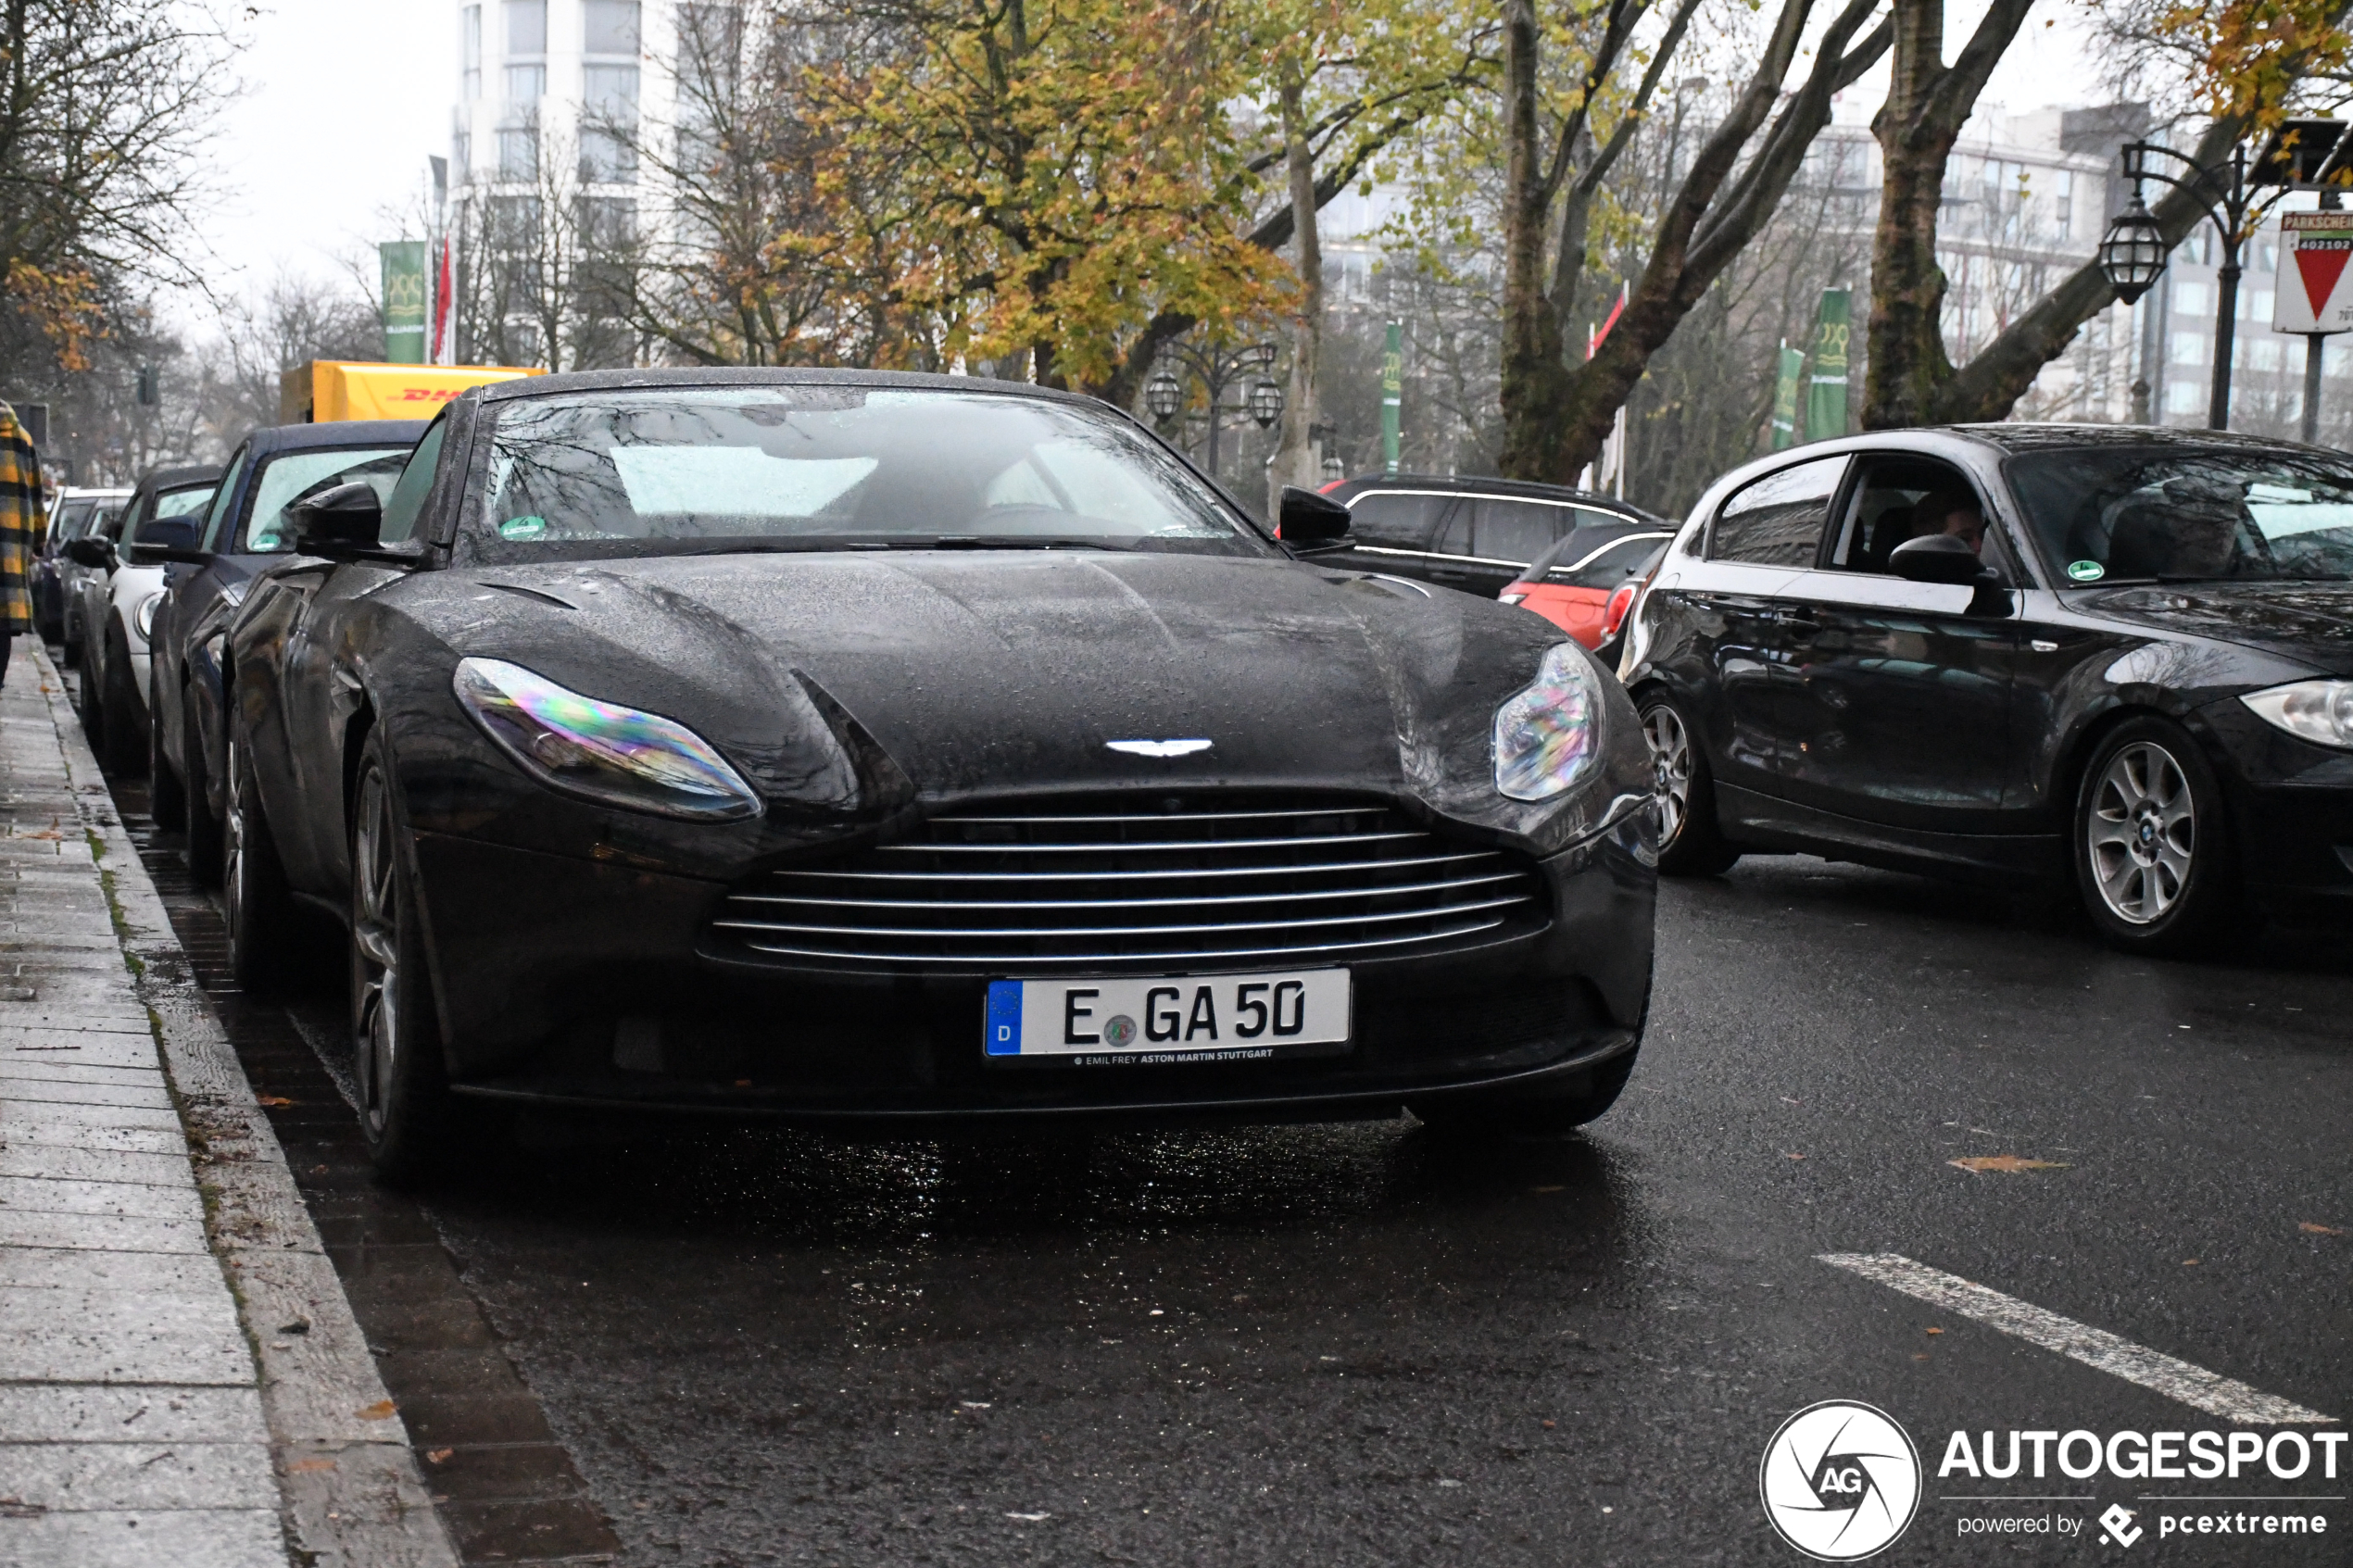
2291, 814
587, 982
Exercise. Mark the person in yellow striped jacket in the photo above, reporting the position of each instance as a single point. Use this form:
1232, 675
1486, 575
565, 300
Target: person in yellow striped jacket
20, 515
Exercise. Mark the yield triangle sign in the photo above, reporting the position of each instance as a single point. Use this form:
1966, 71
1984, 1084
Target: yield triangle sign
2320, 269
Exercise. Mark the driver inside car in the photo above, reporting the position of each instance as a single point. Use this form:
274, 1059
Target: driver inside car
1952, 512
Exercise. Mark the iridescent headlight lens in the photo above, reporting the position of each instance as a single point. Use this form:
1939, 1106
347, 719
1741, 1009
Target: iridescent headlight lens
1548, 735
2320, 711
618, 754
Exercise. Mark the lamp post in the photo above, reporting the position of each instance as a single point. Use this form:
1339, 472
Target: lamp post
1218, 367
2133, 254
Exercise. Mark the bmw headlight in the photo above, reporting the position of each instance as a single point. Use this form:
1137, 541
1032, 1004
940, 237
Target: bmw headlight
601, 750
1548, 735
2320, 711
142, 619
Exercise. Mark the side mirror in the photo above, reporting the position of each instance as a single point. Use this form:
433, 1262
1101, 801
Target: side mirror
167, 539
1309, 521
90, 551
1939, 558
340, 524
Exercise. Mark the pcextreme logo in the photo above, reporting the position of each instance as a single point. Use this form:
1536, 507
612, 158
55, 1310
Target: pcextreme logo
1841, 1481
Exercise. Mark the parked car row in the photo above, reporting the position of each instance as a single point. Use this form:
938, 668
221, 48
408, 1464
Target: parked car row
891, 749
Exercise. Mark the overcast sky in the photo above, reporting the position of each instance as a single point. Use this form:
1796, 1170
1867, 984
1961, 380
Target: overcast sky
343, 101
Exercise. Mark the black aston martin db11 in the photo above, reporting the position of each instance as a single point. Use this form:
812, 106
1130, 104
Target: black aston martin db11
2018, 652
879, 748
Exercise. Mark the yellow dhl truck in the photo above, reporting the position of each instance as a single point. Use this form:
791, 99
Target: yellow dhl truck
328, 390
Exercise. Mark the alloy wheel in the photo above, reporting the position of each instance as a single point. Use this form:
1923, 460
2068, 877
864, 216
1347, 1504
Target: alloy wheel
233, 865
2143, 834
1670, 746
375, 945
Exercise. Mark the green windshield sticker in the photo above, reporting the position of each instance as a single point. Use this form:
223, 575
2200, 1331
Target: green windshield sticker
522, 528
2086, 571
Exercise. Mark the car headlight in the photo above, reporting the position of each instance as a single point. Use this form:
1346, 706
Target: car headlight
1548, 734
2320, 711
143, 619
601, 750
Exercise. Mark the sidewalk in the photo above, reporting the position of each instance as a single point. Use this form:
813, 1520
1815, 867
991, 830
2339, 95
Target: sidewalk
150, 1413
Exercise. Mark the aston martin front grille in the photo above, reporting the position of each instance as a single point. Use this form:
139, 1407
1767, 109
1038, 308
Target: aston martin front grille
1150, 883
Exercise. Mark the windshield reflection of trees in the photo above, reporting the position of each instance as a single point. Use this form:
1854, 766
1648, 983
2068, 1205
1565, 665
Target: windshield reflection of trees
941, 466
2188, 514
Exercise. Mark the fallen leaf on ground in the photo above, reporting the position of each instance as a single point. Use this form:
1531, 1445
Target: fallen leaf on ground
2189, 1262
272, 1099
1548, 1189
305, 1465
382, 1410
2311, 1228
1936, 1331
1983, 1162
1797, 1156
436, 1456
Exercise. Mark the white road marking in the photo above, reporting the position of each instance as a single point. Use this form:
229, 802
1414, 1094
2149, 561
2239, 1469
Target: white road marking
2193, 1385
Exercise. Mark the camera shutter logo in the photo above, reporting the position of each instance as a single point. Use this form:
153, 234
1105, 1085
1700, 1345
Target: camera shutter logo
1841, 1481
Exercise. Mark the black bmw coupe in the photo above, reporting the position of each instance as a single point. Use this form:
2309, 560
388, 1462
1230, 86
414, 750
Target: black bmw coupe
2016, 651
887, 747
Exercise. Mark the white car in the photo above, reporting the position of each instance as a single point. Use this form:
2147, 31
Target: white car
114, 604
78, 514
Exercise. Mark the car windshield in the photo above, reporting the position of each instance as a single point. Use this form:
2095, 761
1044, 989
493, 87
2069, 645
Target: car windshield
290, 474
674, 470
2190, 514
1598, 558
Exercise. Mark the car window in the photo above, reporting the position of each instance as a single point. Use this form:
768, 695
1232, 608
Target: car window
1778, 520
1393, 520
408, 494
72, 518
1890, 506
1611, 563
188, 501
216, 516
290, 474
664, 470
2177, 511
1510, 529
108, 522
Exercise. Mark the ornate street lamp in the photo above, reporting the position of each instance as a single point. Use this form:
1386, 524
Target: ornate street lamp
1333, 467
1266, 402
2229, 199
2133, 253
1163, 395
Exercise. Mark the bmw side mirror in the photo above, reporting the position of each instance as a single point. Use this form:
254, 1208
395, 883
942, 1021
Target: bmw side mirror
1939, 558
338, 524
1309, 521
90, 551
168, 539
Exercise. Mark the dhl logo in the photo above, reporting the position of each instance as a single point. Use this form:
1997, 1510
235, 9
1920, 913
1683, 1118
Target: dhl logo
428, 394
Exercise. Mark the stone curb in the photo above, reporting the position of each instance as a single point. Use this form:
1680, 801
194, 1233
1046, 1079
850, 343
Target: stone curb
352, 1493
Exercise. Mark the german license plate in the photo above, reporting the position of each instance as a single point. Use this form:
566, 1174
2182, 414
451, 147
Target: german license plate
1221, 1017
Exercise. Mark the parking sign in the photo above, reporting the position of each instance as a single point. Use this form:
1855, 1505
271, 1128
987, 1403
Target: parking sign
2314, 295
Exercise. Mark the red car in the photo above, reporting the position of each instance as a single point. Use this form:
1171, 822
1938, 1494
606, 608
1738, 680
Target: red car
1587, 581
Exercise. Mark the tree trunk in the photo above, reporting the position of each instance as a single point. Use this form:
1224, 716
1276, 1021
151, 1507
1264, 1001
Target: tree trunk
1535, 380
1928, 102
1905, 332
1295, 458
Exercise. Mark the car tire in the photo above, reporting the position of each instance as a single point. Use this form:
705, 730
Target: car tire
2153, 854
206, 834
167, 801
265, 930
408, 1118
1690, 843
124, 752
92, 692
1586, 1098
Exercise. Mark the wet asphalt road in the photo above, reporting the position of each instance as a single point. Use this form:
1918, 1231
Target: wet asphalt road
1359, 1344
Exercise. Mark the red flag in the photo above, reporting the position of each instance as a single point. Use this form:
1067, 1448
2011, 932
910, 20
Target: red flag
440, 308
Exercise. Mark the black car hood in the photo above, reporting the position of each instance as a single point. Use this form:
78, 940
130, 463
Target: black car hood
988, 672
2311, 622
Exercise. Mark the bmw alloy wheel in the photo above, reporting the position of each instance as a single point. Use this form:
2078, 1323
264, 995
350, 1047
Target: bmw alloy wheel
2143, 834
1670, 746
375, 947
234, 867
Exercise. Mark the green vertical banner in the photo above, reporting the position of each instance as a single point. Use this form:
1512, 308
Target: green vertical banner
1826, 397
404, 296
1785, 385
1392, 395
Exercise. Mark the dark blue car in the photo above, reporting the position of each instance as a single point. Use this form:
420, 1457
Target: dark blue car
245, 533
